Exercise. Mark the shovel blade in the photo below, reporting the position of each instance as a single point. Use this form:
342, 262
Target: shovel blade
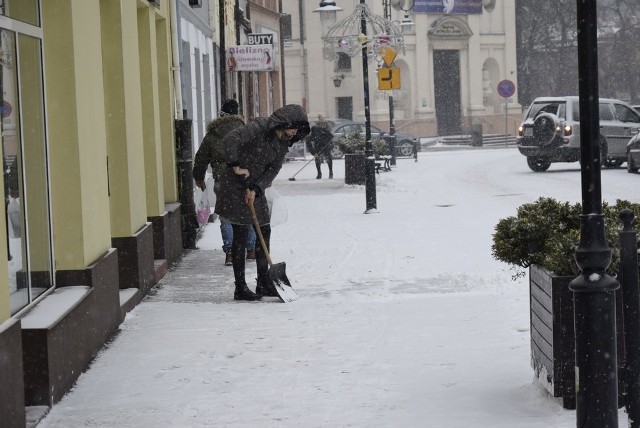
278, 277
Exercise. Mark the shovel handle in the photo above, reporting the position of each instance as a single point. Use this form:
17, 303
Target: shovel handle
256, 225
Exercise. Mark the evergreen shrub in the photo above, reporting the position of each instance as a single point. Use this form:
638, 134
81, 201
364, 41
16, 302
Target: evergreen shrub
354, 142
547, 232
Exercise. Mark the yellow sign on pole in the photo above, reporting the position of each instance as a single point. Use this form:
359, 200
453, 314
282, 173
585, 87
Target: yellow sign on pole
388, 78
388, 55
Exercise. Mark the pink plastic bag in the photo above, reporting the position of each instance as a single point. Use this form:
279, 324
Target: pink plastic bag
204, 209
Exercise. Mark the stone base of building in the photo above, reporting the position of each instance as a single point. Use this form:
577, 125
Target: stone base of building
65, 330
167, 234
135, 260
12, 412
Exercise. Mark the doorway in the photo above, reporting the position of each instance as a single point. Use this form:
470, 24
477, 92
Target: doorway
446, 72
345, 107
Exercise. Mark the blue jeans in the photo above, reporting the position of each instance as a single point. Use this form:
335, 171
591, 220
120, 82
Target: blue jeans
226, 230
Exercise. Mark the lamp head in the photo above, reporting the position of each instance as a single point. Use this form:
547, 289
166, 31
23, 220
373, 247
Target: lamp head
327, 6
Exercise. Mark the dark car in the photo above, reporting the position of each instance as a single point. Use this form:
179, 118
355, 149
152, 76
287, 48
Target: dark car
405, 144
633, 154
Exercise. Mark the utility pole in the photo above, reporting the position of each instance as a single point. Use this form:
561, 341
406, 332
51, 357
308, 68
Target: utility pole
392, 126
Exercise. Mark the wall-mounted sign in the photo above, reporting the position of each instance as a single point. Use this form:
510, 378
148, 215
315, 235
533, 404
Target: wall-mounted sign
260, 39
448, 6
250, 58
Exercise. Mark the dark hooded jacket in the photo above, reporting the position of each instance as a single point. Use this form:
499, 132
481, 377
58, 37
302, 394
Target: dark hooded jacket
257, 148
211, 151
319, 141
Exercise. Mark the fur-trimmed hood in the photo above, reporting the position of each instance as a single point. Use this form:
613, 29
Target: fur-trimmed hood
222, 122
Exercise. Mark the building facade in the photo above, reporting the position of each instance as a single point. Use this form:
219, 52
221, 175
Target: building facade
253, 64
450, 69
92, 214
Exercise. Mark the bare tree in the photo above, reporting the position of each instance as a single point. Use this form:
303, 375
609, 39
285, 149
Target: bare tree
548, 56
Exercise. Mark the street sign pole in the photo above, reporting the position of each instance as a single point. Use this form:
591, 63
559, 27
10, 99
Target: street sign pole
506, 88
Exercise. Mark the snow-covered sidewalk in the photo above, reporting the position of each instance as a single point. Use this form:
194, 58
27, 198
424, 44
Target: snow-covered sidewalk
405, 320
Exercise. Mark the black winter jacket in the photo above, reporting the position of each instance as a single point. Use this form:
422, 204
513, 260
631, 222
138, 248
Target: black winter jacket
319, 141
256, 147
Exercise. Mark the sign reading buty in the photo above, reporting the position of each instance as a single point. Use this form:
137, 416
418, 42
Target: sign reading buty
250, 58
260, 39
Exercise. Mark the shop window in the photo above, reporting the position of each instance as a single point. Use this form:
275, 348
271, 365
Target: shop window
24, 151
21, 10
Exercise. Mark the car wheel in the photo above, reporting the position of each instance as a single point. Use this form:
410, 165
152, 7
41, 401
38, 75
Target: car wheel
631, 167
336, 152
538, 164
404, 148
544, 128
612, 163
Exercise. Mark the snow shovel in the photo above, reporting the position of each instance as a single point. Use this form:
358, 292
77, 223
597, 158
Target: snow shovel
277, 275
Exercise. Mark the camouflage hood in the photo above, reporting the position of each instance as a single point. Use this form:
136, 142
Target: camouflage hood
224, 122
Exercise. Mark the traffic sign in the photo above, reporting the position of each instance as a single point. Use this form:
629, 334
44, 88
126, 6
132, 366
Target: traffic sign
388, 55
388, 78
506, 88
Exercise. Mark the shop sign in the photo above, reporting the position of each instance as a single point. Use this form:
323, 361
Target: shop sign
250, 58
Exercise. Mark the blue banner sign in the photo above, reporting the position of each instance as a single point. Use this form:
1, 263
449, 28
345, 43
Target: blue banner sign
448, 6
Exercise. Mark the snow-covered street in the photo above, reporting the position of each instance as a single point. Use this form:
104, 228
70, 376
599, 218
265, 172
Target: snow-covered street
404, 320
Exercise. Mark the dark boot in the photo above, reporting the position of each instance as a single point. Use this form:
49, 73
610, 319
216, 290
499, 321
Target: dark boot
319, 176
330, 174
244, 293
265, 287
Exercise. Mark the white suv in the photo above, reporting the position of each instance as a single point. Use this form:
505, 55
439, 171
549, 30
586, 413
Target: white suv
550, 131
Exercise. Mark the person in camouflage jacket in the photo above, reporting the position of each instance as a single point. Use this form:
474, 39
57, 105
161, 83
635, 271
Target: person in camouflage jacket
211, 152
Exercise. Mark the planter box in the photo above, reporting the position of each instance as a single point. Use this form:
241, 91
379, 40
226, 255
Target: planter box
552, 334
354, 165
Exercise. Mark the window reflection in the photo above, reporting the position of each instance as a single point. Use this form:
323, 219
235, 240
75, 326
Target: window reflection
21, 10
24, 169
11, 171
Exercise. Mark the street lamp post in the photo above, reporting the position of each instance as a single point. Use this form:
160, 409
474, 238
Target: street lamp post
392, 126
593, 290
369, 173
365, 33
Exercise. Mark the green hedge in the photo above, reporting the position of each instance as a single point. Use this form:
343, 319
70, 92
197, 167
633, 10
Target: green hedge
547, 232
354, 142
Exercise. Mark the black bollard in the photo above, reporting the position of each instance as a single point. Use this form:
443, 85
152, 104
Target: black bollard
631, 313
184, 155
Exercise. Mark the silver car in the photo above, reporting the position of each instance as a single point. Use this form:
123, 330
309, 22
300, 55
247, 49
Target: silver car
550, 131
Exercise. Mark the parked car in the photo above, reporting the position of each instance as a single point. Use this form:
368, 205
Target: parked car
633, 154
550, 131
405, 144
